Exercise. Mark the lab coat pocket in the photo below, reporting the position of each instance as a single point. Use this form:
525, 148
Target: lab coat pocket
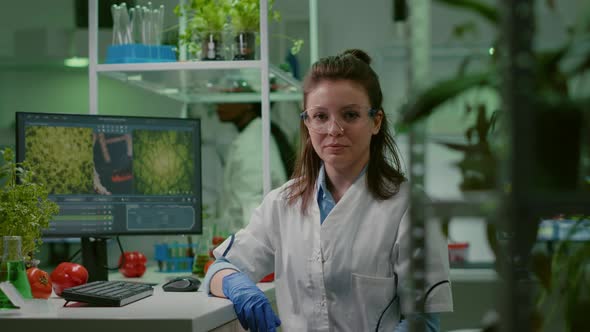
292, 323
375, 303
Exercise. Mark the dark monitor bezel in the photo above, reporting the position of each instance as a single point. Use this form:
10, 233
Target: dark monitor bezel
20, 126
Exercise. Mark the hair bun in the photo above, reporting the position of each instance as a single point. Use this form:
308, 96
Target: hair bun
359, 54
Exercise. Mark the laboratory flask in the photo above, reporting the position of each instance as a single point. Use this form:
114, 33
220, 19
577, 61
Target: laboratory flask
12, 269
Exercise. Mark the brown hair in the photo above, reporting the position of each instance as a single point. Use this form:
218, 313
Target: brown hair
384, 174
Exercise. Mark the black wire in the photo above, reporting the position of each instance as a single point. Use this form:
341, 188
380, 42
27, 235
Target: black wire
383, 313
74, 255
122, 257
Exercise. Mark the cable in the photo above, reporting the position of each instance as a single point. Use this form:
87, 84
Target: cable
122, 261
74, 255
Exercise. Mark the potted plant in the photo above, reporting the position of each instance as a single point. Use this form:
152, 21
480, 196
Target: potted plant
207, 20
24, 205
245, 22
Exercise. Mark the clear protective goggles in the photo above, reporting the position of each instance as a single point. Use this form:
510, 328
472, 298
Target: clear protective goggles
321, 121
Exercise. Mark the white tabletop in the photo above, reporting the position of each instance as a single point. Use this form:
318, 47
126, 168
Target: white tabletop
164, 311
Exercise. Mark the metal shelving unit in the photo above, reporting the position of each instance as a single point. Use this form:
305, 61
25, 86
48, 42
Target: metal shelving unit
418, 38
177, 79
477, 204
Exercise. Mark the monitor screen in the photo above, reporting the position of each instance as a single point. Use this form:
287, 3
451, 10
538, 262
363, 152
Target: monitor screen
115, 175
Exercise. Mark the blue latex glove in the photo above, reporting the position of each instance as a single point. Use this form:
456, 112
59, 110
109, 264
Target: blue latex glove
251, 305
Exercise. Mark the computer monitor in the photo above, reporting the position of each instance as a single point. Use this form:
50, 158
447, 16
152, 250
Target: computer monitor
114, 175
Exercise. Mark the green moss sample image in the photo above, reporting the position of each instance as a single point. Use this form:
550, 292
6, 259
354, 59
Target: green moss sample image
163, 162
63, 158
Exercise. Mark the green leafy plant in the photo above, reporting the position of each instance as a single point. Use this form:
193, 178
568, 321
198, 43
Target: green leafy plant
245, 17
566, 275
556, 107
218, 15
551, 75
203, 16
557, 112
478, 165
24, 205
245, 14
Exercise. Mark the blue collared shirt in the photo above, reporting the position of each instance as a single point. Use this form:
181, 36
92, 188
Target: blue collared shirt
324, 197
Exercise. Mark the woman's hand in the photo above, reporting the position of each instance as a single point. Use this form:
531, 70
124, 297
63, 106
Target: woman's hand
251, 305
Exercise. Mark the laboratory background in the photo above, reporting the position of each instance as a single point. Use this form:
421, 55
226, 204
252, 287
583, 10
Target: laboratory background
507, 179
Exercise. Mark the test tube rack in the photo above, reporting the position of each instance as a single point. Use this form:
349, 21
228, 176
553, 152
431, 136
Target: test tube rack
174, 257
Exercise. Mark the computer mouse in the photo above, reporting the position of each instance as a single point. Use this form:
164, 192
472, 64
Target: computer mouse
182, 284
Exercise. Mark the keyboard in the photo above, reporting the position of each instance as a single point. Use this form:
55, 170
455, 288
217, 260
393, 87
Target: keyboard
108, 293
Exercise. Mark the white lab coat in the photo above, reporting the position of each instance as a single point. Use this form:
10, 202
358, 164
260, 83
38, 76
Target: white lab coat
242, 177
345, 274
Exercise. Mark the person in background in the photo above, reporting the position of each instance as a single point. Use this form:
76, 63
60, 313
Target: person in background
336, 234
242, 177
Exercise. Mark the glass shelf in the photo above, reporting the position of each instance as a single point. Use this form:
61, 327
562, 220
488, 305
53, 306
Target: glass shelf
488, 203
549, 204
473, 274
205, 81
167, 66
563, 229
474, 204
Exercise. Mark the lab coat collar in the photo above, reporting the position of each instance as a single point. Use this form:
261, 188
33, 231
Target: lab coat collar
322, 187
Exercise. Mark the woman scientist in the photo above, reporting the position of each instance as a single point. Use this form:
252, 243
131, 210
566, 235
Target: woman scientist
336, 235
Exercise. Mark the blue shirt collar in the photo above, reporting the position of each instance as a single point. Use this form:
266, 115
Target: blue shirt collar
322, 187
321, 182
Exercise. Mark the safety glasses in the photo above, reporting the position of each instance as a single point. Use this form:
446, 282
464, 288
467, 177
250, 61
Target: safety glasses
321, 121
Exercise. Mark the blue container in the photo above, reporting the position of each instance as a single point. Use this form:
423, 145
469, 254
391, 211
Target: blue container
173, 257
139, 53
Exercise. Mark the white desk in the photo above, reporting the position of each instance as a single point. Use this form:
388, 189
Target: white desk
163, 311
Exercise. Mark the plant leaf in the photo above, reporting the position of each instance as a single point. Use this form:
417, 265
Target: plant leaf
462, 29
551, 100
425, 103
580, 67
467, 148
484, 10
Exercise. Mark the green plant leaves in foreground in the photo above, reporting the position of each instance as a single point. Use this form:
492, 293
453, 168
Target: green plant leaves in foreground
25, 209
441, 92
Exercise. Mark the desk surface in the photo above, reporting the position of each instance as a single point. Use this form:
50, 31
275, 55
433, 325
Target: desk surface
164, 311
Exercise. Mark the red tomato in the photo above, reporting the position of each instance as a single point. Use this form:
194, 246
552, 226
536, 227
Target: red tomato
217, 240
268, 278
68, 275
132, 264
40, 283
209, 263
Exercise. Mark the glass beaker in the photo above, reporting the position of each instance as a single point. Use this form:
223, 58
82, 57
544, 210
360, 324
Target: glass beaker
12, 269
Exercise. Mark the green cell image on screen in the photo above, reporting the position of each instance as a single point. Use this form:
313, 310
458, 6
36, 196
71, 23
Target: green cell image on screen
63, 158
163, 162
